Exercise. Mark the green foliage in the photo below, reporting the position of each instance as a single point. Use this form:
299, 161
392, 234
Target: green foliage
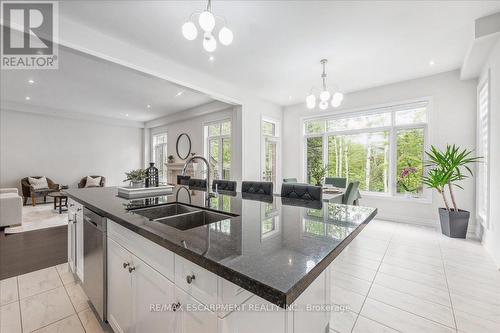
410, 151
448, 168
317, 172
135, 175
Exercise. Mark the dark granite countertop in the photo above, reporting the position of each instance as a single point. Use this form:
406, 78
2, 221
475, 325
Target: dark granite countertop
271, 246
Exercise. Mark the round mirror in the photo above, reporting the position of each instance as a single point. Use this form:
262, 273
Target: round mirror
183, 146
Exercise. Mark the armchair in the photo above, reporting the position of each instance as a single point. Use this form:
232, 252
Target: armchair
83, 181
30, 192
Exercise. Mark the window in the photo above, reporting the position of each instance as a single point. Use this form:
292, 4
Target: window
159, 154
270, 149
383, 149
218, 149
483, 120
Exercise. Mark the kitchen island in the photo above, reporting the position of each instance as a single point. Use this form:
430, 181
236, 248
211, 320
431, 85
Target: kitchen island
233, 263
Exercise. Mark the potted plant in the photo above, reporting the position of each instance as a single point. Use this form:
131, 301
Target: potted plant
447, 169
136, 177
317, 171
170, 159
407, 179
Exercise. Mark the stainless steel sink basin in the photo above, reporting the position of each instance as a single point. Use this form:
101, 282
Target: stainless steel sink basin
193, 219
162, 211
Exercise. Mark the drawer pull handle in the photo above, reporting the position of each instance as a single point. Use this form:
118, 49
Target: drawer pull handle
190, 278
126, 264
176, 306
131, 269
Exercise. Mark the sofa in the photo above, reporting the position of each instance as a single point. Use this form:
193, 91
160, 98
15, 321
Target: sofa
11, 206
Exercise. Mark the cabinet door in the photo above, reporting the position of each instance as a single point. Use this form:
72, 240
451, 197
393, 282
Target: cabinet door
79, 246
71, 240
192, 316
119, 288
153, 297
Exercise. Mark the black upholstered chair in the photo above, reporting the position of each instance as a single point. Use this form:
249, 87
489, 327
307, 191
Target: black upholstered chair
198, 183
183, 180
262, 188
301, 191
224, 185
289, 180
337, 182
351, 194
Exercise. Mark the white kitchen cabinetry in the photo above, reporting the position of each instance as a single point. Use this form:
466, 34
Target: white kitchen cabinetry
193, 317
79, 242
71, 235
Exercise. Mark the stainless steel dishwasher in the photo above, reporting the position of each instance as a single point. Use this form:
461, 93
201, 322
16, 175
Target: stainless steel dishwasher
94, 261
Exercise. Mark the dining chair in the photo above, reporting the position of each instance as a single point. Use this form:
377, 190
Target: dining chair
289, 180
224, 185
301, 191
198, 183
336, 181
351, 194
263, 188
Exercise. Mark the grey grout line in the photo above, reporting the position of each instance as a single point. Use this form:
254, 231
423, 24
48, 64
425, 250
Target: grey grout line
19, 303
371, 284
66, 290
378, 322
448, 287
39, 328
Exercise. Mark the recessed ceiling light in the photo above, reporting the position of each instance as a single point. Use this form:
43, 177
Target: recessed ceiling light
148, 106
126, 114
31, 81
27, 98
211, 58
179, 93
431, 63
290, 97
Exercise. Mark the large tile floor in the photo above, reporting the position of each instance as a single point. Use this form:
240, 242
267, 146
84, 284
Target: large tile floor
48, 300
392, 277
398, 277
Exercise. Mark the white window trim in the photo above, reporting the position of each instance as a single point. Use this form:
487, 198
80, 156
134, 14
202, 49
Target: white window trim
220, 137
485, 81
375, 109
276, 138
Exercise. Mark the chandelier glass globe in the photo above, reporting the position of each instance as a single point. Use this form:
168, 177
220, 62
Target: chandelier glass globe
225, 36
311, 101
337, 99
207, 21
324, 95
323, 105
189, 31
209, 42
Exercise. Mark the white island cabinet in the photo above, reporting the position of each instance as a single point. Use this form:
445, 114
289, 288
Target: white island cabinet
75, 237
151, 289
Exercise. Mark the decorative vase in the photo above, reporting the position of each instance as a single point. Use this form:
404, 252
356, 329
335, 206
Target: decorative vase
152, 176
170, 159
136, 183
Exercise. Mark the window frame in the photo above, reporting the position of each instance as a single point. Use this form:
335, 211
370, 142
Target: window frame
393, 128
220, 138
484, 220
276, 138
162, 130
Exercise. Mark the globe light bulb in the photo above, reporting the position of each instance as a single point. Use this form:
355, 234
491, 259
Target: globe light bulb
311, 101
225, 36
337, 99
324, 95
209, 42
323, 105
189, 31
207, 21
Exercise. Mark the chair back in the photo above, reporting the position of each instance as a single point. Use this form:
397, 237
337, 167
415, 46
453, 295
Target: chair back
301, 191
224, 185
83, 181
337, 182
263, 188
26, 188
199, 183
183, 180
289, 180
351, 194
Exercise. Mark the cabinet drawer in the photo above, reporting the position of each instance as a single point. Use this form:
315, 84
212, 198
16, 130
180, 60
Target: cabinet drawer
196, 281
75, 207
230, 294
159, 258
194, 318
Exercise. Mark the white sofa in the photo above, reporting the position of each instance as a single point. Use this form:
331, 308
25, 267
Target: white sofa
11, 206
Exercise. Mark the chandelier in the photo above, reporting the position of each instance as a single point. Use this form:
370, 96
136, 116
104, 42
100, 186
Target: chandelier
207, 22
325, 97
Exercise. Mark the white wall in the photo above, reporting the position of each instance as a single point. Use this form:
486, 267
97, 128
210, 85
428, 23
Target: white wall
452, 120
491, 237
64, 149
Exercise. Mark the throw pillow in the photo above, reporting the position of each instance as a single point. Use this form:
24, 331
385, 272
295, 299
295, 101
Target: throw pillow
93, 182
38, 183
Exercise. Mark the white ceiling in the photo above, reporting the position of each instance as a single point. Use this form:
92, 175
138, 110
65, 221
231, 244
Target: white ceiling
278, 44
88, 85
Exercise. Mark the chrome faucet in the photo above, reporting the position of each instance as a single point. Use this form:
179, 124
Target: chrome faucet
198, 157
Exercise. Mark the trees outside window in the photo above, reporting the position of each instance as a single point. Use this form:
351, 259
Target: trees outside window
218, 149
382, 149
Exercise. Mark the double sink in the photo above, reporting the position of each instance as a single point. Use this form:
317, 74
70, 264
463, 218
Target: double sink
182, 217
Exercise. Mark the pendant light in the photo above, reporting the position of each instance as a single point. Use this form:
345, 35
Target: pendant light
324, 96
